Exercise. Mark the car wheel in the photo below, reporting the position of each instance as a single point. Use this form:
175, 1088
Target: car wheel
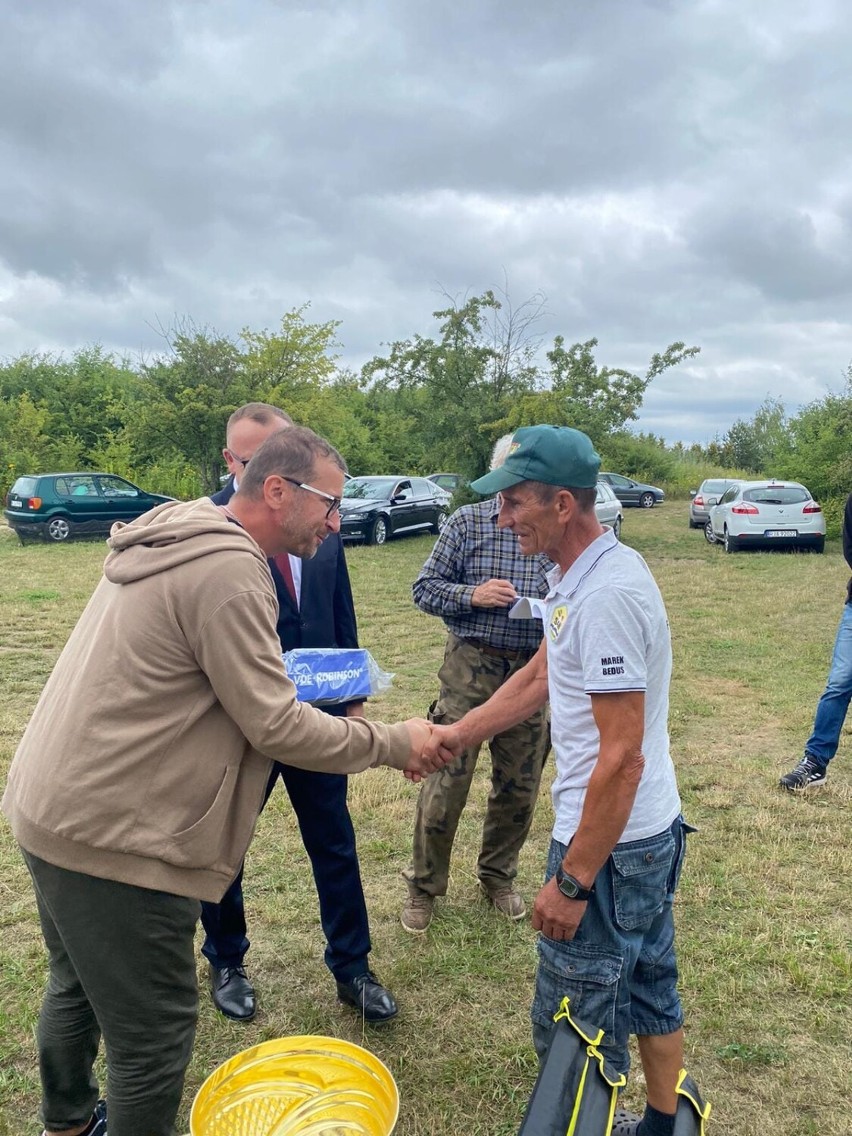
58, 529
440, 521
709, 535
379, 531
731, 545
646, 501
616, 528
819, 546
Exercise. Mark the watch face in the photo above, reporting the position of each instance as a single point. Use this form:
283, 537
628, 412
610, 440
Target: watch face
566, 885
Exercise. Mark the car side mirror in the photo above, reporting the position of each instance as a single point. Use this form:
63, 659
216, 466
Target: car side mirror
397, 498
692, 493
712, 500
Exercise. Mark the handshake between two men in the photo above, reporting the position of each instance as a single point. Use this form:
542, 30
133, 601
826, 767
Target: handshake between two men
432, 747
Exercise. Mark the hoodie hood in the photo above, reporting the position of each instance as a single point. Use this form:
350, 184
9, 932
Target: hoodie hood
170, 535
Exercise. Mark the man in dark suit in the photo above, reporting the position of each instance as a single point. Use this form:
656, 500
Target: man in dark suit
315, 610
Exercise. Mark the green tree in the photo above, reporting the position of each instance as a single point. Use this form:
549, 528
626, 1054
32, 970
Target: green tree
287, 367
596, 399
816, 446
456, 389
181, 402
29, 445
758, 444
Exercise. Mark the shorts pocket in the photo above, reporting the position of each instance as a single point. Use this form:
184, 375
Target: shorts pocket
641, 873
585, 974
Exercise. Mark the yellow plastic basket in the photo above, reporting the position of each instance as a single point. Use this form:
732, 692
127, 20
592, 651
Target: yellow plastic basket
298, 1086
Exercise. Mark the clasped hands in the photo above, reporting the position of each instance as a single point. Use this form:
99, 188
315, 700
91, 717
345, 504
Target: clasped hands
432, 747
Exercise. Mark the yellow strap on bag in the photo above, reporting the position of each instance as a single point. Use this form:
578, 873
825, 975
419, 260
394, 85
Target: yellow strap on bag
692, 1111
575, 1094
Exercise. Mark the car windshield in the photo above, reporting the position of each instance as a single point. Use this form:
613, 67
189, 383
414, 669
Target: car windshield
373, 488
777, 495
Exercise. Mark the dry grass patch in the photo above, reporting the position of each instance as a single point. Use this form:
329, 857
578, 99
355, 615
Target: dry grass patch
763, 912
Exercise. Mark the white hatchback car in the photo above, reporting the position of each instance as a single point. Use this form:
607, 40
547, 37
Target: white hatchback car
608, 508
766, 514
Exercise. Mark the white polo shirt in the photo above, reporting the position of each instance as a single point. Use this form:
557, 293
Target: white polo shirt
606, 630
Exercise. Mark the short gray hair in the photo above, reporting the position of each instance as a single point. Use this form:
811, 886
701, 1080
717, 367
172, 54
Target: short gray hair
291, 452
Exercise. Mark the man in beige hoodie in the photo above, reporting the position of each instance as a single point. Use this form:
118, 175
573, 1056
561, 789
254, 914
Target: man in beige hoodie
136, 786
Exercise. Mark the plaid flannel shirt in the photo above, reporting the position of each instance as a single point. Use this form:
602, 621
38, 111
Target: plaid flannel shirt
470, 551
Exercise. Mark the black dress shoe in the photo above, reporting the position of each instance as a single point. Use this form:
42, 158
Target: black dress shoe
369, 997
233, 994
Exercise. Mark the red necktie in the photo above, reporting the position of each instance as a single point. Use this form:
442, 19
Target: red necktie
282, 563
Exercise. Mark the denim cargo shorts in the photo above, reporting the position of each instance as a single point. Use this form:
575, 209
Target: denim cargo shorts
619, 970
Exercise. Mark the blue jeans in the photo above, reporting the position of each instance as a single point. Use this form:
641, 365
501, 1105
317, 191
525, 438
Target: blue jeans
619, 970
834, 703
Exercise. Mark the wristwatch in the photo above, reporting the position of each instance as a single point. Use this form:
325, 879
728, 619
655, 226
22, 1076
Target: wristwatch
571, 888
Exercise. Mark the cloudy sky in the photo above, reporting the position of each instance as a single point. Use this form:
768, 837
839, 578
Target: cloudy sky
659, 169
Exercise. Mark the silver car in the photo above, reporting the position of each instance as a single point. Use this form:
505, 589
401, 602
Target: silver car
699, 506
608, 508
766, 514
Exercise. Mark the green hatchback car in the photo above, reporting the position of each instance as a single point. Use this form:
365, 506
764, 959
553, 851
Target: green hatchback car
57, 506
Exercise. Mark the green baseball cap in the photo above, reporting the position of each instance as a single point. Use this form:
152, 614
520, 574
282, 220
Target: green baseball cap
556, 455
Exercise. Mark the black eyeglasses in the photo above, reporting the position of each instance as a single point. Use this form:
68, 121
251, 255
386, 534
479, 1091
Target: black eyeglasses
334, 502
240, 461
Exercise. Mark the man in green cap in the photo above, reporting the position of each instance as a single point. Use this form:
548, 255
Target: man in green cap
605, 911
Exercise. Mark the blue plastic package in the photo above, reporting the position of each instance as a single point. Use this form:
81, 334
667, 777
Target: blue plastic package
326, 675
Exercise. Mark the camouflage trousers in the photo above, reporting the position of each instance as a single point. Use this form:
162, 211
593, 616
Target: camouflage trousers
468, 678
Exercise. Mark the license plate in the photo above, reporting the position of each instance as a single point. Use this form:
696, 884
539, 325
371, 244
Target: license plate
17, 504
781, 532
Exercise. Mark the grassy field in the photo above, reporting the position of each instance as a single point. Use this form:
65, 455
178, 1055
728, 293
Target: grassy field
763, 913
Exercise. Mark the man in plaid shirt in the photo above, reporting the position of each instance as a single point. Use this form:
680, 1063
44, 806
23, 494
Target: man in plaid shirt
473, 576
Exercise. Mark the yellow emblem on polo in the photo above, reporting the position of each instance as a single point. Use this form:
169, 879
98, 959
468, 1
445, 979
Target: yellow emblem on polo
557, 621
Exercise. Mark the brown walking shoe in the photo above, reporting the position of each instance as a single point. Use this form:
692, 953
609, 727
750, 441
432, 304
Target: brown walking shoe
417, 913
507, 901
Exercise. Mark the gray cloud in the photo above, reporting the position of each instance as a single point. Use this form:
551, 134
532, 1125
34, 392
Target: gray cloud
660, 170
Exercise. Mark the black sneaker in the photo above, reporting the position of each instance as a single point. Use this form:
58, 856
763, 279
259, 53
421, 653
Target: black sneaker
808, 774
97, 1125
99, 1121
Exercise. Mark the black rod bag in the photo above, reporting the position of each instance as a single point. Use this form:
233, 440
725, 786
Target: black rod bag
575, 1094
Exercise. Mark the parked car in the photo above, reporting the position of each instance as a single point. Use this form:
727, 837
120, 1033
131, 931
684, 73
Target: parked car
608, 508
766, 514
448, 481
376, 508
630, 492
57, 506
699, 508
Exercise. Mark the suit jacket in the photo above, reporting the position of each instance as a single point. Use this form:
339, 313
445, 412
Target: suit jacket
326, 613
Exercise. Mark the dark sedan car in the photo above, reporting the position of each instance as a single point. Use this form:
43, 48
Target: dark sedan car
59, 505
448, 481
376, 508
630, 492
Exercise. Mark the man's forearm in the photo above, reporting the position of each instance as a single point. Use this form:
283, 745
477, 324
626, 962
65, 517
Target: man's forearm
620, 719
606, 811
515, 701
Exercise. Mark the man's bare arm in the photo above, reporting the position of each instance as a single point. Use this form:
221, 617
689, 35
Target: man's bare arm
620, 718
515, 701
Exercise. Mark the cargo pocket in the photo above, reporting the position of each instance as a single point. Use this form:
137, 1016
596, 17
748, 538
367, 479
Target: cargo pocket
641, 874
585, 974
